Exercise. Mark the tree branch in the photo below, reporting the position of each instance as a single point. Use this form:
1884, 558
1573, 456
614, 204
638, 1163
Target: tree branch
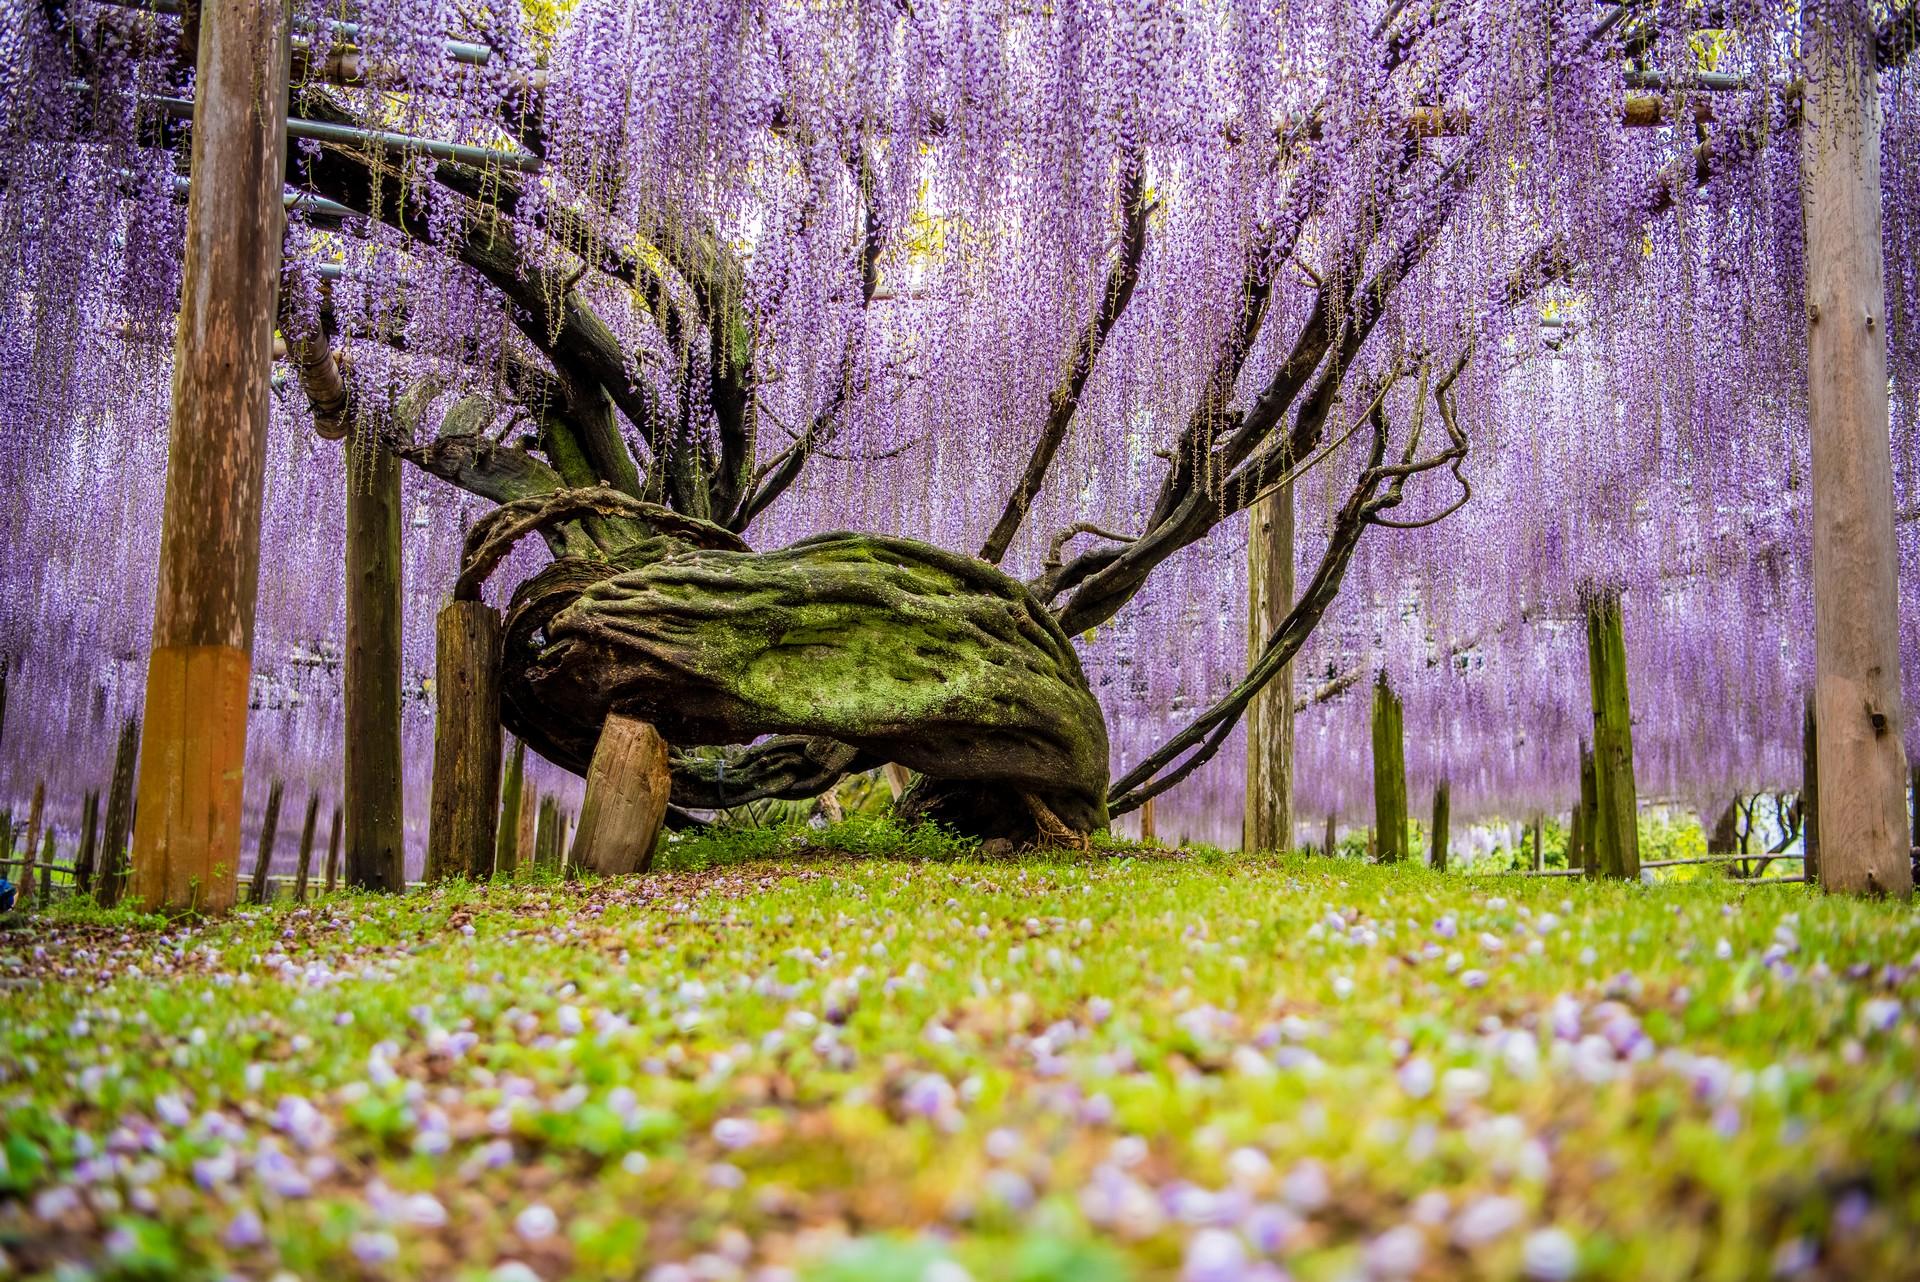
1122, 277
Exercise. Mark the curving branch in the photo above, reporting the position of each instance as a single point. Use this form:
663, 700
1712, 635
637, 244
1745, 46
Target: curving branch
1122, 277
1204, 737
494, 535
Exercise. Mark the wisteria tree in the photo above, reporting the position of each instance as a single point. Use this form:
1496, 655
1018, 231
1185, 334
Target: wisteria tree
632, 272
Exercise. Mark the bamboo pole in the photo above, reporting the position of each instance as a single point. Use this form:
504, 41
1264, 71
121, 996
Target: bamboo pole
113, 838
269, 831
466, 742
506, 847
1389, 775
1616, 833
84, 862
1437, 851
1267, 822
305, 865
36, 815
332, 880
186, 838
375, 850
1862, 765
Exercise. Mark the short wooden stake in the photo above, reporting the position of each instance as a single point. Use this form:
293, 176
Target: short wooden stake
305, 865
626, 800
1389, 775
46, 866
1616, 830
36, 815
332, 880
1149, 831
466, 742
1584, 817
119, 821
1539, 852
546, 840
269, 830
506, 844
526, 825
1441, 818
1330, 845
84, 862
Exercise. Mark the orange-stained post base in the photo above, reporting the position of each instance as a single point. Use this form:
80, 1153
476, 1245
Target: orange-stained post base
186, 830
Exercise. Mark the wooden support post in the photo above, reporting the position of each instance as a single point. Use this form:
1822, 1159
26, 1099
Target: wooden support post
506, 848
186, 838
305, 866
1437, 847
1330, 841
36, 815
332, 880
1149, 830
1539, 852
898, 776
371, 794
269, 830
1616, 831
119, 822
1862, 764
626, 801
466, 742
1389, 775
46, 866
1267, 821
85, 862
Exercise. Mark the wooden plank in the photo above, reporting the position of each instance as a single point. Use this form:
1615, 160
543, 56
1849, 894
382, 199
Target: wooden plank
187, 822
1442, 818
1615, 843
371, 792
186, 834
1267, 821
1389, 775
305, 865
466, 742
269, 831
1862, 765
626, 799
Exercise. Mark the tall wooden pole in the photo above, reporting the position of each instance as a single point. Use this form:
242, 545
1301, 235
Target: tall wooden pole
1437, 848
1267, 823
1389, 775
1584, 816
466, 742
1863, 768
331, 879
371, 792
186, 839
1615, 836
1810, 791
83, 863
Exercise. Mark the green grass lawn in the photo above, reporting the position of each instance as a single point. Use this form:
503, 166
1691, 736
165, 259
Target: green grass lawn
876, 1055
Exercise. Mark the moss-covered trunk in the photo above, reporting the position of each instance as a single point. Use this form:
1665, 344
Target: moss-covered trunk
869, 649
